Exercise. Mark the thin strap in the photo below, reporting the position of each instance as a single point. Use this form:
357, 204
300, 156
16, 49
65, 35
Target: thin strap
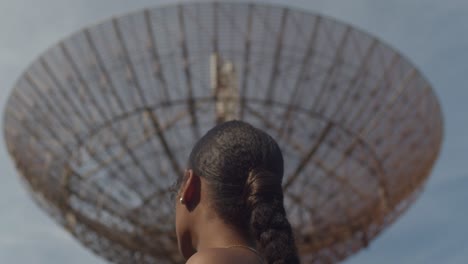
251, 249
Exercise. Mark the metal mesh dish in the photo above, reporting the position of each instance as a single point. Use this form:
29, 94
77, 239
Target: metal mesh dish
102, 123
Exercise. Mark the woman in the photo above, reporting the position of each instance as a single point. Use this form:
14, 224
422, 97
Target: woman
230, 200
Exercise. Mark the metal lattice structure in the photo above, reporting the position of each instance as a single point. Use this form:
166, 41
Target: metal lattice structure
102, 123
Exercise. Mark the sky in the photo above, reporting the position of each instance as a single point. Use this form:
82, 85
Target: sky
433, 34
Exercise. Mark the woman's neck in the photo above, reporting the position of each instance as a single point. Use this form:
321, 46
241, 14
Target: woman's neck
213, 232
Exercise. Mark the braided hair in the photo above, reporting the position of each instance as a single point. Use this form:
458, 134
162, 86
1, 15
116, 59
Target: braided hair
243, 167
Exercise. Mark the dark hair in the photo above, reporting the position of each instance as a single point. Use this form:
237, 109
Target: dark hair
243, 167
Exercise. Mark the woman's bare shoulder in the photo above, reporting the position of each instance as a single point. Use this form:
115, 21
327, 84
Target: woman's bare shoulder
210, 256
204, 257
217, 256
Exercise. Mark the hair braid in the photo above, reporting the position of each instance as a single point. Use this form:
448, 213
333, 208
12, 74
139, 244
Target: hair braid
268, 223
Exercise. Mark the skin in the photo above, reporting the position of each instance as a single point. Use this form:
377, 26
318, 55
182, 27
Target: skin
203, 237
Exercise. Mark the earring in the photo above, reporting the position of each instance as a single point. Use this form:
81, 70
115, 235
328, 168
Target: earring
181, 200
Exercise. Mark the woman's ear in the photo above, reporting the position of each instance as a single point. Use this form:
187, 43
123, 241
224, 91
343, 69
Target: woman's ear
191, 189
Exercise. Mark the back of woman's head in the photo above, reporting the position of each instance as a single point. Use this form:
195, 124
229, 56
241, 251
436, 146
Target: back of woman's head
243, 167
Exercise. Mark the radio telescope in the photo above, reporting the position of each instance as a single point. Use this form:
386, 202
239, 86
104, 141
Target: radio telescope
102, 123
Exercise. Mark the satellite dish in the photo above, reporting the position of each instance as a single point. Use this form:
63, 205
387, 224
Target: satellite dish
102, 123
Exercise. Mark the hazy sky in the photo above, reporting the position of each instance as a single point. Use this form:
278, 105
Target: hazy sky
433, 34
